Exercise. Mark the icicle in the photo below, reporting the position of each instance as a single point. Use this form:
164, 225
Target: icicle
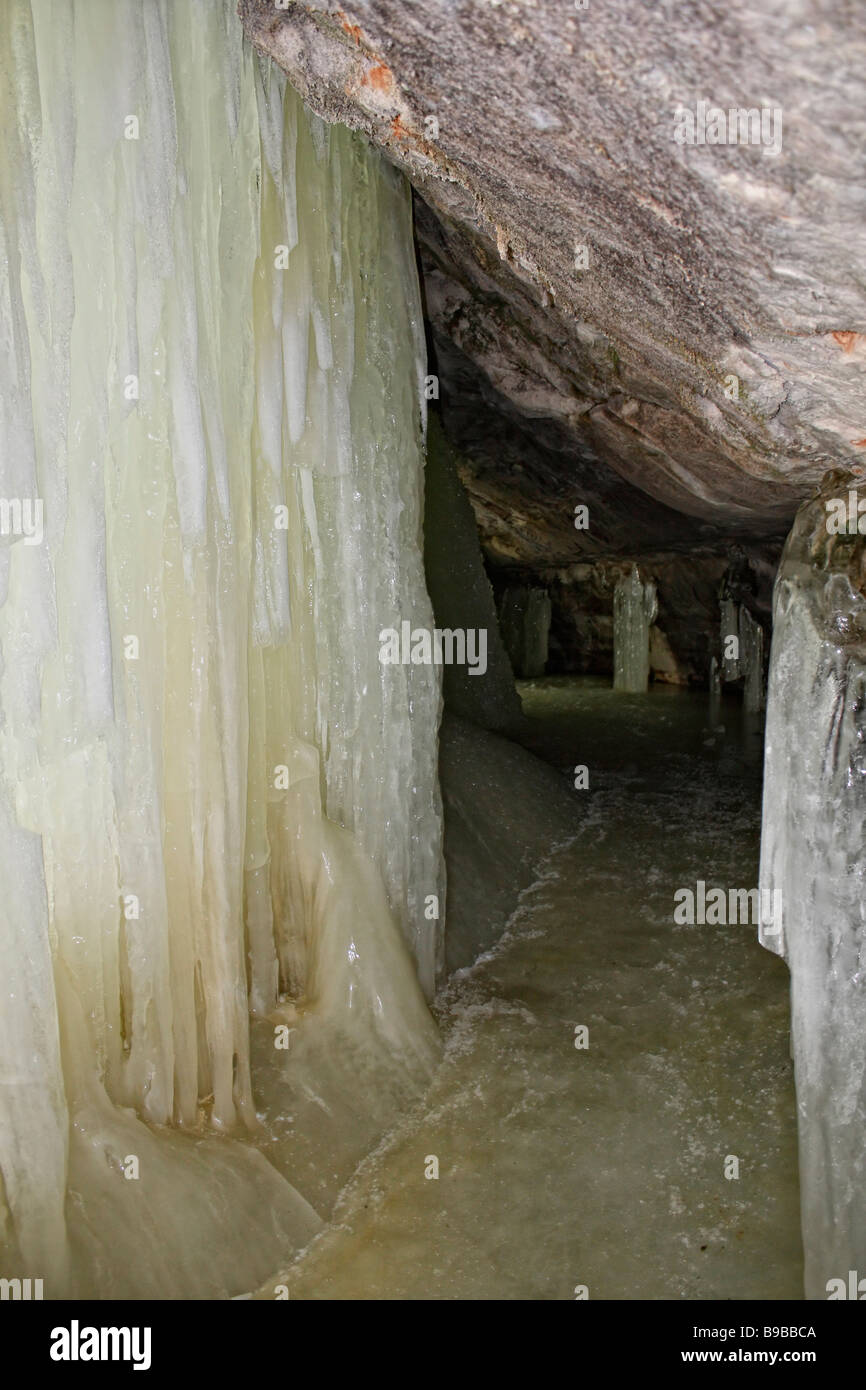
752, 661
813, 853
729, 632
524, 617
634, 611
217, 406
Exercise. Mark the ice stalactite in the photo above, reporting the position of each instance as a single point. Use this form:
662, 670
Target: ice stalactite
814, 851
214, 802
741, 635
634, 611
742, 645
729, 632
752, 661
524, 617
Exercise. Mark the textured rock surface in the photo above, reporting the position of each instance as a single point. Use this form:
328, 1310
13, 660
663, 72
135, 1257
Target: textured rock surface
555, 130
461, 595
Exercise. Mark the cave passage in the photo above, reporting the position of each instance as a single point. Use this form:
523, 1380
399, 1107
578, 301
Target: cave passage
278, 830
602, 1167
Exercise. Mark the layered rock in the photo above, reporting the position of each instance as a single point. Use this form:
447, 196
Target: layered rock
684, 315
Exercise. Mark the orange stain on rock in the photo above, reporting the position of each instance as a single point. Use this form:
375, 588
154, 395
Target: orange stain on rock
354, 30
380, 78
399, 131
846, 341
859, 443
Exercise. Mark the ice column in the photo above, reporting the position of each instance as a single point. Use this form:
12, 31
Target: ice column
814, 851
729, 632
752, 661
213, 797
524, 617
634, 611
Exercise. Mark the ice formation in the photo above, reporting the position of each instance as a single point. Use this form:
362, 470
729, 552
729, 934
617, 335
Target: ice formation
634, 611
814, 819
752, 661
213, 797
729, 632
524, 617
742, 648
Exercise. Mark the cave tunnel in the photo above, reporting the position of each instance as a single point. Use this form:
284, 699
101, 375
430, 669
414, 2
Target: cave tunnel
432, 651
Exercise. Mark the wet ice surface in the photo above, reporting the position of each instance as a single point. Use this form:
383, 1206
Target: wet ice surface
602, 1167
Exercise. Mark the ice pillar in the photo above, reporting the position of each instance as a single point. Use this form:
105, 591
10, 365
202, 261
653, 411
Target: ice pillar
814, 852
752, 661
634, 611
729, 632
524, 617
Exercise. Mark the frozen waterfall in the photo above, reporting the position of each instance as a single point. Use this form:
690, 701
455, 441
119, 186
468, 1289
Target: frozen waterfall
213, 801
814, 851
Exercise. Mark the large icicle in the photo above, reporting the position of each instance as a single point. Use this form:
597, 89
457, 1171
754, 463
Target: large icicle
634, 611
213, 796
814, 851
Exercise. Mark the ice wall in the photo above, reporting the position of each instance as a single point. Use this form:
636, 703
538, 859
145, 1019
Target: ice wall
634, 611
214, 799
814, 852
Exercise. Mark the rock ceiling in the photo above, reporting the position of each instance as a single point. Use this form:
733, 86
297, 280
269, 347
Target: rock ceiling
607, 303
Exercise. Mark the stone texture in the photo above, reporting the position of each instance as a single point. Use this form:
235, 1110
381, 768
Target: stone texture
555, 129
461, 594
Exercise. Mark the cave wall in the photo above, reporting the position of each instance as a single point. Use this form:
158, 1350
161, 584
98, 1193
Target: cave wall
461, 593
668, 334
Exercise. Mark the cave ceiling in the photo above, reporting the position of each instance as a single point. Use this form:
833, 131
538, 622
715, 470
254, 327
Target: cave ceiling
673, 334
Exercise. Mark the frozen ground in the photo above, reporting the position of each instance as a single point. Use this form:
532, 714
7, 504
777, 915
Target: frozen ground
603, 1166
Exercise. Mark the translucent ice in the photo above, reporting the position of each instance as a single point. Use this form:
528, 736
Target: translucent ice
214, 800
524, 616
752, 661
814, 832
634, 612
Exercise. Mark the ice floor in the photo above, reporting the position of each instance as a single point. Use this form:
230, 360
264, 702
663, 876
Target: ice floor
603, 1167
